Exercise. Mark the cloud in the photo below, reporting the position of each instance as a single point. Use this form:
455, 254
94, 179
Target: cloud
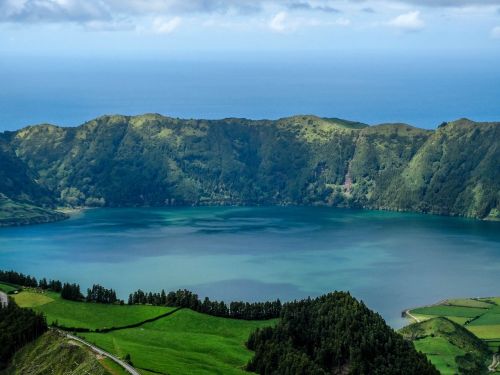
109, 25
410, 21
162, 25
309, 6
450, 3
52, 10
495, 32
278, 22
94, 14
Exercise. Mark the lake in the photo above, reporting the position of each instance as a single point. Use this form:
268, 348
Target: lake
392, 261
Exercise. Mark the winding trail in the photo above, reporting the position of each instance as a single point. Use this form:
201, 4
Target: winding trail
4, 299
407, 312
95, 349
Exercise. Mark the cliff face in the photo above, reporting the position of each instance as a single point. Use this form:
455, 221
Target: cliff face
155, 160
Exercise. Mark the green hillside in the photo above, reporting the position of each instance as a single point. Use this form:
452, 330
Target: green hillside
56, 355
86, 315
152, 160
19, 213
449, 346
185, 342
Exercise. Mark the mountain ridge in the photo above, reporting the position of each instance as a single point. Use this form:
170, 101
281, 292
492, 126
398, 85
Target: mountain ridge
154, 160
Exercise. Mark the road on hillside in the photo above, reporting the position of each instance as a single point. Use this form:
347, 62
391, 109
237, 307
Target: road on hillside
95, 349
4, 300
407, 312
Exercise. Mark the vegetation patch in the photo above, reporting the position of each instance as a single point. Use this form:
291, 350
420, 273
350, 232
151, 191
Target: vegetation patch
86, 314
55, 354
485, 326
444, 310
186, 342
449, 346
470, 302
32, 299
8, 288
20, 213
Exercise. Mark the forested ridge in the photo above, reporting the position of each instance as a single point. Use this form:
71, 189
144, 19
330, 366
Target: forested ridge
152, 160
333, 334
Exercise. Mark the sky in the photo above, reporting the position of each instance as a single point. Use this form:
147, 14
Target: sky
415, 61
172, 28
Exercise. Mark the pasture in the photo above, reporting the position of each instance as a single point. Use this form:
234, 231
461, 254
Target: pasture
86, 315
480, 316
185, 342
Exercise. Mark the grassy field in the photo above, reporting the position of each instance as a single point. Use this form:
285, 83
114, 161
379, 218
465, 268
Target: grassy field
185, 342
86, 315
441, 353
447, 310
8, 288
446, 344
480, 316
112, 367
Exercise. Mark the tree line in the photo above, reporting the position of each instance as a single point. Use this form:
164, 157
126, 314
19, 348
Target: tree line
100, 294
188, 299
69, 291
180, 298
28, 281
18, 327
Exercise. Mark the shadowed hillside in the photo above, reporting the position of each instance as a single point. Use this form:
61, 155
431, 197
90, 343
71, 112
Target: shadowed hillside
152, 160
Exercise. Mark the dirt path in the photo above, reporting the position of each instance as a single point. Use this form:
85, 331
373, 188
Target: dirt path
408, 313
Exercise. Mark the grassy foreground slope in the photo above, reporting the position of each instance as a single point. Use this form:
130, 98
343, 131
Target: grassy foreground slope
185, 342
86, 315
154, 160
56, 355
449, 346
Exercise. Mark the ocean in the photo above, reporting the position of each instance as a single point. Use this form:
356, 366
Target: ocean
421, 91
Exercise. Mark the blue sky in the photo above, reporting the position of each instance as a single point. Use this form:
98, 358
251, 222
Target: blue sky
132, 28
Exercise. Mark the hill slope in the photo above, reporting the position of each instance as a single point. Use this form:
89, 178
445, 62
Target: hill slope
54, 354
449, 346
156, 160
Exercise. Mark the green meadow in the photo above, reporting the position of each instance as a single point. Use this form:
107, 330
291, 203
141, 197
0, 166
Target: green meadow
479, 316
86, 315
449, 346
186, 342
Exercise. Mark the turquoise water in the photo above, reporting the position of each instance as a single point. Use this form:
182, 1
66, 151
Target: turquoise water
392, 261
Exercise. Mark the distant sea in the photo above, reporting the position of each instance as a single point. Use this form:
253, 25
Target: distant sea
422, 91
